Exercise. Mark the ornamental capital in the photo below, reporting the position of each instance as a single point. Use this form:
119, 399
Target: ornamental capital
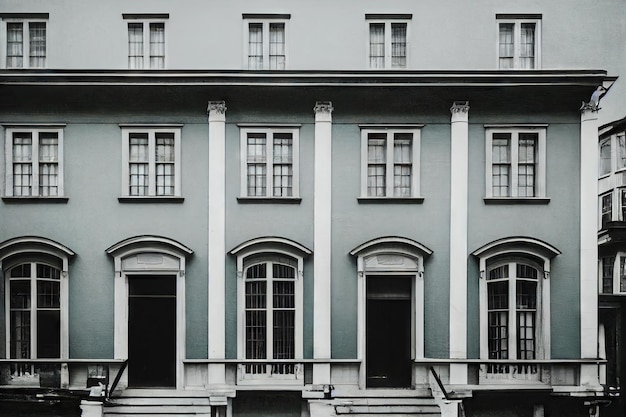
459, 107
323, 107
216, 106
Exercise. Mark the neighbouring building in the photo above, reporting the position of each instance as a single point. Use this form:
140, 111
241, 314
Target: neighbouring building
244, 209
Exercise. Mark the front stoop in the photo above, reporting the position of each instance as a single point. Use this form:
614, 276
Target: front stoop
147, 405
375, 406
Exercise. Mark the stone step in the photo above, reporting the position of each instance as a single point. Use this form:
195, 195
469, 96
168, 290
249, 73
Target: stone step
207, 414
388, 409
141, 401
136, 410
386, 401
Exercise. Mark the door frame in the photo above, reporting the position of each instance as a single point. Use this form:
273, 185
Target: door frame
391, 257
148, 255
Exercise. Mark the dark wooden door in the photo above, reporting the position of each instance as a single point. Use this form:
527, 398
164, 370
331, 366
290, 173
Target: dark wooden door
388, 332
152, 331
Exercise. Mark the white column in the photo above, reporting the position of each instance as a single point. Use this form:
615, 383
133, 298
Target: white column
459, 160
589, 243
322, 240
217, 240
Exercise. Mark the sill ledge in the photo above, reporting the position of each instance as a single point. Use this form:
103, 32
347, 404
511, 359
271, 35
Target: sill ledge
150, 199
516, 200
35, 200
269, 200
390, 200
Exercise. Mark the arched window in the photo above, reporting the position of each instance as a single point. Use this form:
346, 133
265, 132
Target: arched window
36, 301
514, 306
270, 293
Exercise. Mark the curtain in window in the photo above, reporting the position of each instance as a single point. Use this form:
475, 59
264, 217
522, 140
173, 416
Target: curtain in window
138, 164
165, 164
255, 46
402, 163
37, 34
135, 45
277, 46
22, 164
506, 46
398, 45
527, 46
377, 45
257, 164
376, 164
256, 316
157, 45
283, 168
48, 164
501, 164
605, 156
15, 45
527, 150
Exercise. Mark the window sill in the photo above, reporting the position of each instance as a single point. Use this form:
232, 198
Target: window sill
269, 200
516, 200
390, 200
150, 199
35, 200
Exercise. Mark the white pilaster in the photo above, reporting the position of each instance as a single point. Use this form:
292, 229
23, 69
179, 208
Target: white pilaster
588, 243
458, 238
217, 240
322, 240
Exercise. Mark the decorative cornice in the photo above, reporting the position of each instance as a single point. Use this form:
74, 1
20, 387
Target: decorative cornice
460, 107
323, 107
216, 106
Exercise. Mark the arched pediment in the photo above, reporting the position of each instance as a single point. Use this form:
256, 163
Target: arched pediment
34, 244
517, 244
148, 243
391, 253
267, 244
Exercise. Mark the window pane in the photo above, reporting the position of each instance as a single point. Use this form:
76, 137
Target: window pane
20, 271
498, 295
499, 272
135, 45
526, 335
20, 294
622, 274
283, 170
621, 152
22, 163
48, 294
48, 333
255, 46
605, 156
284, 335
138, 167
498, 335
402, 170
527, 46
623, 201
48, 164
527, 148
37, 44
607, 273
377, 162
377, 45
277, 46
157, 45
20, 334
501, 164
165, 184
257, 167
607, 209
398, 45
15, 45
526, 293
506, 46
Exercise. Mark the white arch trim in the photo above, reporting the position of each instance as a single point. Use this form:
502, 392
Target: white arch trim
522, 244
170, 259
270, 243
413, 247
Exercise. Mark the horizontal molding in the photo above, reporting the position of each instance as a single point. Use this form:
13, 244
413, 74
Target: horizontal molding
145, 15
282, 16
388, 16
516, 125
35, 200
391, 126
151, 126
21, 15
390, 200
269, 200
269, 125
34, 125
516, 200
533, 16
151, 199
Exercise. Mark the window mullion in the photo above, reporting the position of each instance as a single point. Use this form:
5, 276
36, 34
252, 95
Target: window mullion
387, 45
512, 311
517, 42
269, 164
146, 44
389, 188
266, 45
514, 164
33, 310
269, 305
151, 163
35, 163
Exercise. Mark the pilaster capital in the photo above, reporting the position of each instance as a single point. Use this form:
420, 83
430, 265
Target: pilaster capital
588, 112
460, 107
323, 110
216, 108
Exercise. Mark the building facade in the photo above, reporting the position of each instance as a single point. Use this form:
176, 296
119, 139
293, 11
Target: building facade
224, 210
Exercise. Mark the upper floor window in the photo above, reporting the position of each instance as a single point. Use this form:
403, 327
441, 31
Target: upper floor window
269, 166
266, 41
613, 274
605, 156
26, 40
606, 209
390, 162
612, 153
146, 40
518, 41
388, 40
34, 161
516, 162
270, 301
151, 165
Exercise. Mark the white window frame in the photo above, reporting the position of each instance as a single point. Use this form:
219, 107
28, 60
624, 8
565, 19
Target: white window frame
517, 24
611, 197
148, 255
387, 20
265, 21
269, 132
264, 250
26, 21
415, 130
540, 174
145, 22
35, 131
151, 131
619, 259
35, 249
528, 250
